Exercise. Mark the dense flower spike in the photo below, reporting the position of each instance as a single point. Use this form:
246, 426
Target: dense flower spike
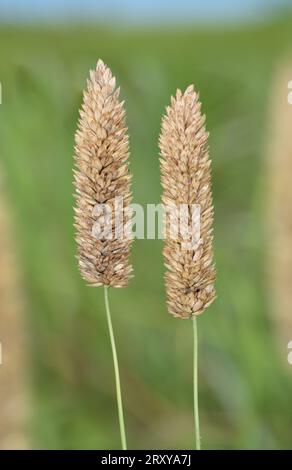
102, 176
278, 204
186, 179
15, 409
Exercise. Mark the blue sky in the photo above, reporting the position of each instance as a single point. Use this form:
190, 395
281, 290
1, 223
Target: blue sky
133, 10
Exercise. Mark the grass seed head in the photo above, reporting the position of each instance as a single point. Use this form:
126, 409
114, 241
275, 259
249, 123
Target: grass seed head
186, 179
101, 176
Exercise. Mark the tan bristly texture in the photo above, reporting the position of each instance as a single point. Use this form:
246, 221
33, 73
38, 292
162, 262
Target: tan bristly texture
278, 198
186, 179
14, 369
101, 175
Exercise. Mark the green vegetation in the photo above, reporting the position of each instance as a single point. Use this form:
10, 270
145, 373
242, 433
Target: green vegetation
245, 391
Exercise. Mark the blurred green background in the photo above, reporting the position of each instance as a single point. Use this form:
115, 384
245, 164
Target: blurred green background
245, 385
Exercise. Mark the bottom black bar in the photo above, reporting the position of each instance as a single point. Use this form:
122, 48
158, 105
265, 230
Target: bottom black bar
134, 459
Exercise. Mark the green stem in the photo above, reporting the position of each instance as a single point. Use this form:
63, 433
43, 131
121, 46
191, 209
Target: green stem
196, 401
116, 369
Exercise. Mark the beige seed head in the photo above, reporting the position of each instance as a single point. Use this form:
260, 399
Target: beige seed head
278, 203
101, 176
15, 409
186, 179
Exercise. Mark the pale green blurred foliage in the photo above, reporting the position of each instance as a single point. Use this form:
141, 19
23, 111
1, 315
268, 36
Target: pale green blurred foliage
245, 390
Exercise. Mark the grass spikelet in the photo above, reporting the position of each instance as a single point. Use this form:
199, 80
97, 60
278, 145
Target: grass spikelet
102, 212
186, 179
102, 175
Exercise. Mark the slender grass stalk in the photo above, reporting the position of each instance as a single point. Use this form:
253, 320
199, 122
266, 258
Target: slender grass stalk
186, 181
103, 195
195, 385
116, 370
